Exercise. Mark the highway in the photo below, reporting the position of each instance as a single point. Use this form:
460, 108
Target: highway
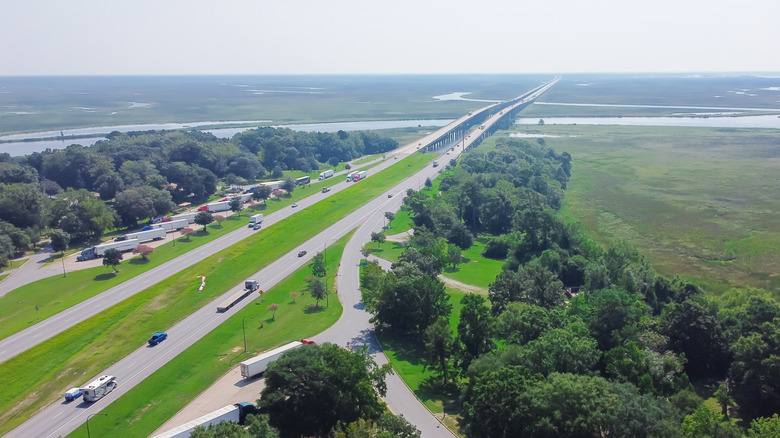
61, 418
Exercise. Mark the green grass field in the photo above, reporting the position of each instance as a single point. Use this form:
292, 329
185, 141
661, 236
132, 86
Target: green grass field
75, 355
698, 202
476, 269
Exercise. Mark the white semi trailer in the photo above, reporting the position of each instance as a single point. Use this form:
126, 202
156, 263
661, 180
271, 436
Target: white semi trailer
173, 225
153, 234
99, 250
258, 364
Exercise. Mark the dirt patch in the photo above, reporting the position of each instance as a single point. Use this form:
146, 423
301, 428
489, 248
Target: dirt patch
463, 286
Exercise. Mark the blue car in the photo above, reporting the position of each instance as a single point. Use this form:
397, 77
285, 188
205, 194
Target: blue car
73, 394
157, 338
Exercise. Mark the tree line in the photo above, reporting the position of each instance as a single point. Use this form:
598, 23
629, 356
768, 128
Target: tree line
129, 177
572, 339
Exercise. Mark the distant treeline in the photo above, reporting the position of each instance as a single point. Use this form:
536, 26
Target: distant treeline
132, 176
572, 339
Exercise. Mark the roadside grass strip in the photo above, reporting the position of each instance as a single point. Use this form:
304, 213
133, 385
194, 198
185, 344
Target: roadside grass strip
38, 376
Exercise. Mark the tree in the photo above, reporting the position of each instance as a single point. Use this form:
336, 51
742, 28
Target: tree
112, 257
288, 184
318, 265
440, 348
262, 192
132, 206
532, 284
317, 289
186, 232
235, 205
428, 183
475, 329
521, 323
144, 250
272, 308
755, 370
311, 389
705, 423
694, 329
411, 304
204, 218
768, 427
461, 236
219, 219
258, 426
389, 215
454, 255
59, 243
379, 238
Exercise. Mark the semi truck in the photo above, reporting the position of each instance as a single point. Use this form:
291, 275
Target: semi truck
258, 364
360, 175
235, 298
255, 219
351, 176
236, 413
178, 224
327, 174
99, 250
215, 207
98, 389
156, 233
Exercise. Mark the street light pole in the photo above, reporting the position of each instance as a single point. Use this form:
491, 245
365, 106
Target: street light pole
327, 294
243, 328
88, 417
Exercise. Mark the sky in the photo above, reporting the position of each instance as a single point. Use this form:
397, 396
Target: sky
201, 37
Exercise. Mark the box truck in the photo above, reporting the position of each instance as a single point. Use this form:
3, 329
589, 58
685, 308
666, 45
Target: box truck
255, 219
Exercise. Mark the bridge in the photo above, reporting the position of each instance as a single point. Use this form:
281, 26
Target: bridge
487, 120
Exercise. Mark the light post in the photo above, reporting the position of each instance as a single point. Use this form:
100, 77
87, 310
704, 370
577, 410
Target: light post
327, 294
243, 329
90, 416
324, 251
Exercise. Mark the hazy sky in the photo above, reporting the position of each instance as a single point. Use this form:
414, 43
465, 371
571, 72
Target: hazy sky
132, 37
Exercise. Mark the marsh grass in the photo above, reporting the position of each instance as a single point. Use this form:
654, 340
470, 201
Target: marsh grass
698, 202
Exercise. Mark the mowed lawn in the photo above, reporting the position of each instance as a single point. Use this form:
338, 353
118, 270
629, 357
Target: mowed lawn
698, 202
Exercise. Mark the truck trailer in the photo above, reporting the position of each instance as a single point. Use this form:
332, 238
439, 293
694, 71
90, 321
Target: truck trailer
236, 413
189, 216
99, 250
326, 174
258, 364
176, 225
215, 207
235, 298
360, 175
153, 234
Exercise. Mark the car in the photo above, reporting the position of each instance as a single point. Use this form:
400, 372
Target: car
157, 338
256, 227
389, 195
73, 394
325, 189
308, 342
301, 253
295, 204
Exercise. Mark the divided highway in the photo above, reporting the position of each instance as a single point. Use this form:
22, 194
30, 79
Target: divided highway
62, 418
